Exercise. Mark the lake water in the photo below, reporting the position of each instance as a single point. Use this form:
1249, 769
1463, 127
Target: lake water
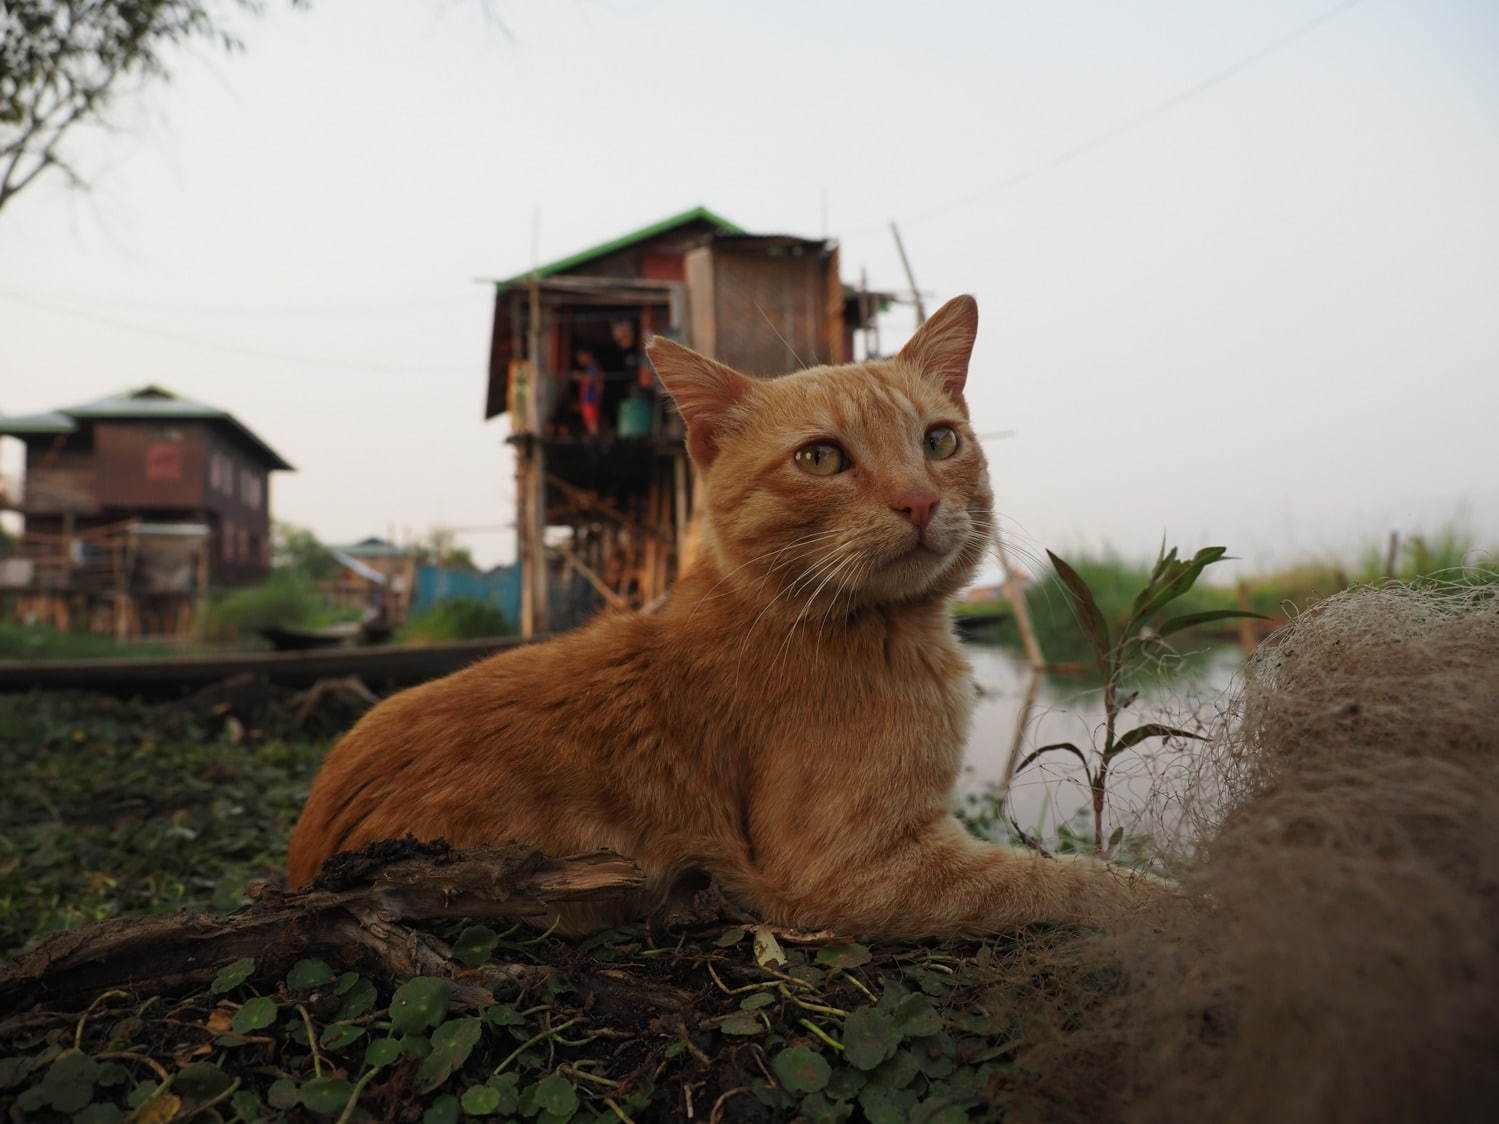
1051, 790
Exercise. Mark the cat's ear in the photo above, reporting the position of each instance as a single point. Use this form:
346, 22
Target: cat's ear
942, 346
706, 392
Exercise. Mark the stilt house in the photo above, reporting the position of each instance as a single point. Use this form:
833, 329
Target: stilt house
603, 481
132, 507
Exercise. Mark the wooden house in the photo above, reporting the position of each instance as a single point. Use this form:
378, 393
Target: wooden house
604, 486
133, 506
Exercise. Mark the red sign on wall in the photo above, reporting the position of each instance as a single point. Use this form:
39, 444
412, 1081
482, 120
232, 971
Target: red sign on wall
164, 460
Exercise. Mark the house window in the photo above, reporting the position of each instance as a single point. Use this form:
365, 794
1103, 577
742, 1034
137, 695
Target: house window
250, 487
227, 541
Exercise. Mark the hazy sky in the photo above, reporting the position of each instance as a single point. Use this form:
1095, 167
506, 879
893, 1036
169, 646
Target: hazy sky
1265, 316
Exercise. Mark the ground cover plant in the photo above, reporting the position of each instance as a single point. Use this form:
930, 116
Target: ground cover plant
114, 807
1329, 956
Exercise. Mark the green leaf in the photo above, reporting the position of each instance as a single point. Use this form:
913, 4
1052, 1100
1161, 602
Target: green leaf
247, 1104
742, 1025
68, 1084
1179, 578
475, 945
99, 1114
346, 981
481, 1100
915, 1017
308, 974
1115, 837
555, 1094
1149, 730
801, 1069
503, 1014
881, 1105
444, 1110
283, 1094
339, 1035
730, 937
1192, 620
756, 1001
869, 1037
256, 1014
381, 1052
232, 975
1062, 747
452, 1043
844, 956
1087, 608
13, 1071
202, 1081
326, 1094
845, 1084
420, 1003
360, 1000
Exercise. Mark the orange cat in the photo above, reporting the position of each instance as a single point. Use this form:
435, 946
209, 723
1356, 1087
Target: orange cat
792, 720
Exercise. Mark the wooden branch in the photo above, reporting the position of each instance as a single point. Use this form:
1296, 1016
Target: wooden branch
592, 578
354, 907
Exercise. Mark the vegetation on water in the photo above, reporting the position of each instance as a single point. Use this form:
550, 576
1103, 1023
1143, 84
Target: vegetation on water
20, 641
1450, 552
456, 618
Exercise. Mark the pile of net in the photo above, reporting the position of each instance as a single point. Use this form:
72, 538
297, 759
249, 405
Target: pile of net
1334, 955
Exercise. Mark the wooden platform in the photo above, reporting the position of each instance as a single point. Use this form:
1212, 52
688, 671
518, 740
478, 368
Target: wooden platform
392, 665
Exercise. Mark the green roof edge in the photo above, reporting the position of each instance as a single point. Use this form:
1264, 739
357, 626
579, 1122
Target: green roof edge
661, 226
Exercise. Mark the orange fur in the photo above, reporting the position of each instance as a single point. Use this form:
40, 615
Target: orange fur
793, 719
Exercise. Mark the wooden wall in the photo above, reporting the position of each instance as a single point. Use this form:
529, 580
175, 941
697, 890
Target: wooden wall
765, 309
144, 465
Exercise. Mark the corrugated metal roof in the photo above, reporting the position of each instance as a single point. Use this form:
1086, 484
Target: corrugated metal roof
367, 573
147, 403
50, 422
582, 257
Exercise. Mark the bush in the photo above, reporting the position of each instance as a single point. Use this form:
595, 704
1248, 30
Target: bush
43, 642
457, 618
284, 601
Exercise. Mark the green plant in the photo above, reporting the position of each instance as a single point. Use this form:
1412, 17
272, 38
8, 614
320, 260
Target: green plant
457, 618
283, 601
1115, 653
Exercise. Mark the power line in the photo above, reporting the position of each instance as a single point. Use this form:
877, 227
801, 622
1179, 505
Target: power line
233, 349
1125, 125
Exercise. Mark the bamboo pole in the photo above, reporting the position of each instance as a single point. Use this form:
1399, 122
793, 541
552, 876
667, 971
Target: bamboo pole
1015, 594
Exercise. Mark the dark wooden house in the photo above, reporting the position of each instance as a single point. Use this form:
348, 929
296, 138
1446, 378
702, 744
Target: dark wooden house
604, 486
132, 507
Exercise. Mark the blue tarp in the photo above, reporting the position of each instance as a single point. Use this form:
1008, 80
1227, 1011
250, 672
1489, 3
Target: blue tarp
500, 586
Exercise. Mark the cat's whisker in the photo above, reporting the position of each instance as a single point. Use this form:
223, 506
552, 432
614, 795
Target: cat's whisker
854, 557
827, 573
810, 574
802, 541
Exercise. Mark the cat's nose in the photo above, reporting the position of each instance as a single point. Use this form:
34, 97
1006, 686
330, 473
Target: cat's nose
916, 507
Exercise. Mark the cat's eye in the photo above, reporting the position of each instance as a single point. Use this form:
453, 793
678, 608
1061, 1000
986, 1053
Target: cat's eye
941, 442
821, 458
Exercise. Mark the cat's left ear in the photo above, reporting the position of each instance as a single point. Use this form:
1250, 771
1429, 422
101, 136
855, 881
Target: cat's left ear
942, 346
706, 392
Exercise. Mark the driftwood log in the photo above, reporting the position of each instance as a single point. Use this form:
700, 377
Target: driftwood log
355, 910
